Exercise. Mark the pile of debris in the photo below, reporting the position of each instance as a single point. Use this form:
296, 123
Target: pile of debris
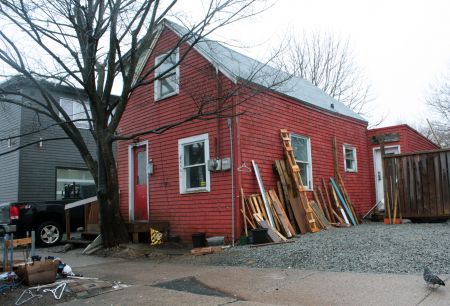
288, 211
43, 281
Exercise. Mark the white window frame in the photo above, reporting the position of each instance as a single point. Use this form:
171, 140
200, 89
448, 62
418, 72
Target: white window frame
308, 185
83, 125
157, 83
187, 141
353, 148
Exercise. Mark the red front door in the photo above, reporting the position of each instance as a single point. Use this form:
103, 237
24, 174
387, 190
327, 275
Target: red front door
140, 183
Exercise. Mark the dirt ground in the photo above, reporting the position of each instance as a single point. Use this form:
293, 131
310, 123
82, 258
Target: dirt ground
398, 250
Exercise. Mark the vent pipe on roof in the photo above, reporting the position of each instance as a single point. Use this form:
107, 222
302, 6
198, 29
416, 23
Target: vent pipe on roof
332, 105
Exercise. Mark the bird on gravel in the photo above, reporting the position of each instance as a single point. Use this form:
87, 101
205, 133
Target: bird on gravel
432, 279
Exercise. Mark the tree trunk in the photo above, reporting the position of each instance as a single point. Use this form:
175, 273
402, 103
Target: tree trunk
112, 226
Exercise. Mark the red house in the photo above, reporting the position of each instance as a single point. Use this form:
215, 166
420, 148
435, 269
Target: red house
397, 139
175, 177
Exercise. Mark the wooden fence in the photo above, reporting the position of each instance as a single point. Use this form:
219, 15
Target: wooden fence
419, 184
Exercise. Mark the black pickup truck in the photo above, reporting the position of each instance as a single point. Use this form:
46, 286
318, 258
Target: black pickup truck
46, 218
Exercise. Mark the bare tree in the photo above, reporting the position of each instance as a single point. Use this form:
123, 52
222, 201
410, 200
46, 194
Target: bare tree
436, 131
438, 100
329, 64
92, 45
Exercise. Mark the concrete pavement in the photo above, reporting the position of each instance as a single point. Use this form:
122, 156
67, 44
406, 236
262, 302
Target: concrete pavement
252, 286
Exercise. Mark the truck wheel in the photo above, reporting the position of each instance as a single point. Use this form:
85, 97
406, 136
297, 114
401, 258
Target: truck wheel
49, 233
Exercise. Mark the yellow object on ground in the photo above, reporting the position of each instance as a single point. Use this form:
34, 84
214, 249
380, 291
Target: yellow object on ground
156, 237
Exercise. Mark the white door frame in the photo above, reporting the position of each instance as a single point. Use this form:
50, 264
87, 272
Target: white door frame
131, 179
375, 170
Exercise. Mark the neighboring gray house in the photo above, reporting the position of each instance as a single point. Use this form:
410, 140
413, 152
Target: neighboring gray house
39, 171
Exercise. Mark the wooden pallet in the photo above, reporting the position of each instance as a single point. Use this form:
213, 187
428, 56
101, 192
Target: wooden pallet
295, 172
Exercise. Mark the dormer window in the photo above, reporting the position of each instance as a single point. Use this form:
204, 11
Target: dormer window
167, 75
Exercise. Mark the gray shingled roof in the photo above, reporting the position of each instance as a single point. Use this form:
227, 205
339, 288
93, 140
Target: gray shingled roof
238, 66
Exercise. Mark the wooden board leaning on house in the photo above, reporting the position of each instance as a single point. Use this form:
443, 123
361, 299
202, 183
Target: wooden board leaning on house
295, 174
297, 214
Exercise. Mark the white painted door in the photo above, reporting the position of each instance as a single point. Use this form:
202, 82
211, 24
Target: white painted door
379, 172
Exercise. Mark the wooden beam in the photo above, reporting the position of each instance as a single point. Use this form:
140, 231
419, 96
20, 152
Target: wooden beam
272, 232
80, 202
287, 227
263, 193
270, 243
330, 207
243, 212
16, 242
347, 209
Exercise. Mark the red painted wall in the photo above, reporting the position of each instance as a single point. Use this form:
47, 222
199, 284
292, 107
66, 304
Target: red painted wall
187, 213
260, 141
410, 139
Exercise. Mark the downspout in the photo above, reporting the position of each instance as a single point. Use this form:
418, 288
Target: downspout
218, 143
230, 127
232, 154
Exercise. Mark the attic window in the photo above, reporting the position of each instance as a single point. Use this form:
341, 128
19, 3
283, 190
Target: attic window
167, 75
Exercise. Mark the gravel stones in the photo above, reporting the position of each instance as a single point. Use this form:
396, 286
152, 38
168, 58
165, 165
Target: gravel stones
372, 247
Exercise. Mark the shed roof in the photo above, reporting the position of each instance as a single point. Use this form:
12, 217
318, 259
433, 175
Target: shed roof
237, 66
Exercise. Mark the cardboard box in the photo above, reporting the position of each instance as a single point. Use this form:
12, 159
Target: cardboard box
38, 273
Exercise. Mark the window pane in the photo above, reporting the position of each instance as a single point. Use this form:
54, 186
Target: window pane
67, 106
68, 176
194, 154
79, 113
196, 177
141, 168
350, 158
300, 146
304, 173
349, 154
168, 63
168, 85
75, 111
349, 164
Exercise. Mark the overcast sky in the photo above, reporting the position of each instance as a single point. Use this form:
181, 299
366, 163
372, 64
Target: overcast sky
403, 46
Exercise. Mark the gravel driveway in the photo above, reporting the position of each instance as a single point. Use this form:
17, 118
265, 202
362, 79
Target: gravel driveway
372, 247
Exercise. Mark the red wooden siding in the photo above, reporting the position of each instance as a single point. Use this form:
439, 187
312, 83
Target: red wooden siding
410, 139
260, 140
187, 213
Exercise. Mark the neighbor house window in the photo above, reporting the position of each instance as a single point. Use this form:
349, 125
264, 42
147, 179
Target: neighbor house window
302, 153
69, 176
193, 153
350, 158
75, 111
167, 75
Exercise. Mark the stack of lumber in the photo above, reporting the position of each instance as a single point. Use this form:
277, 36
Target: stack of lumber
331, 206
257, 215
335, 204
299, 188
290, 209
